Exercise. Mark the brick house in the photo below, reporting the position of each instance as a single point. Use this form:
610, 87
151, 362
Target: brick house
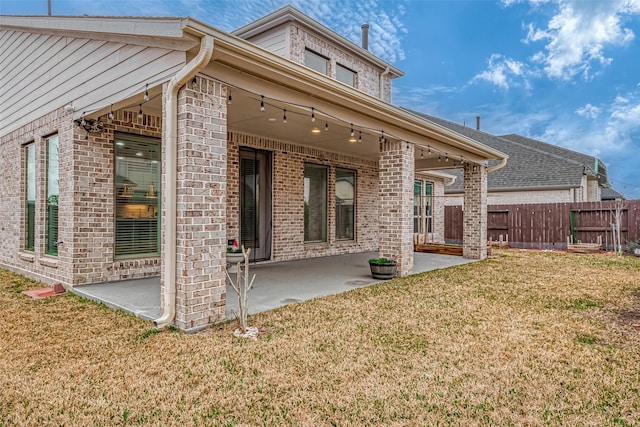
135, 147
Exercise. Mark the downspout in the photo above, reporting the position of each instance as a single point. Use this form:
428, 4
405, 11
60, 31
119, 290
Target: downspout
384, 73
169, 261
500, 165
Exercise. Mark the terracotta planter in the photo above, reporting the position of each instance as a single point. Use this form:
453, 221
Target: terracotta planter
383, 271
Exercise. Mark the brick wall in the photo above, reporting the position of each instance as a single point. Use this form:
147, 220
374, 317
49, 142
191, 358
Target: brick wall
86, 213
396, 204
368, 75
475, 212
288, 198
201, 204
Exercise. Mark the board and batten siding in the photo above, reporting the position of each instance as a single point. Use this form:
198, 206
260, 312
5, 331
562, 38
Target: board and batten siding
42, 72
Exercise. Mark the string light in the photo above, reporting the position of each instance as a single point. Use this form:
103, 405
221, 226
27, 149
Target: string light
111, 112
360, 137
352, 132
422, 153
284, 116
83, 121
146, 93
140, 112
262, 103
313, 114
326, 126
229, 100
446, 157
428, 149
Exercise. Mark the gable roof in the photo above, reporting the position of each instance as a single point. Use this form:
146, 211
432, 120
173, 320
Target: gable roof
289, 13
530, 166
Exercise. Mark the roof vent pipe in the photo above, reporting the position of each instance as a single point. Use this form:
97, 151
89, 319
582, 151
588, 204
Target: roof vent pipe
478, 122
365, 36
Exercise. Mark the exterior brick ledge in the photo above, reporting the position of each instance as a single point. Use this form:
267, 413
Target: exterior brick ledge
26, 256
49, 262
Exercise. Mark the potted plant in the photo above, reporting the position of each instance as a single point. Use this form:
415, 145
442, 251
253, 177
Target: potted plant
234, 255
382, 268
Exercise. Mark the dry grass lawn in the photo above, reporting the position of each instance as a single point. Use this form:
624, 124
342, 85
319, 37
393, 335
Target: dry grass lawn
523, 338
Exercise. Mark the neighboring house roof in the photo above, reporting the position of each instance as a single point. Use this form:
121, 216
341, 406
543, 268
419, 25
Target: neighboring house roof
532, 164
593, 165
289, 13
611, 194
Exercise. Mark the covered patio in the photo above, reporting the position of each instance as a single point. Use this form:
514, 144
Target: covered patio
277, 284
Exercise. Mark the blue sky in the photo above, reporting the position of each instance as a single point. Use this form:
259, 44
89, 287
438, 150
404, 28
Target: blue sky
565, 72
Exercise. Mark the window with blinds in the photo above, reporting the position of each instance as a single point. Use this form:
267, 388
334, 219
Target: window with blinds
345, 203
345, 75
30, 193
137, 194
52, 185
315, 203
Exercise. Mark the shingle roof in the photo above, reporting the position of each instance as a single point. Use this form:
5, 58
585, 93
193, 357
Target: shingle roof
531, 164
611, 194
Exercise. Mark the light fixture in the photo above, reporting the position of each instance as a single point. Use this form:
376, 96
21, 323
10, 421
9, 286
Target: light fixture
446, 157
140, 112
439, 157
315, 129
284, 116
313, 114
326, 126
352, 139
428, 149
194, 82
151, 192
462, 159
422, 153
352, 132
126, 190
262, 103
229, 100
69, 108
360, 137
146, 93
90, 125
382, 138
139, 154
111, 112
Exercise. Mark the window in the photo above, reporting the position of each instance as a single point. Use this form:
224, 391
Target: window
345, 75
316, 62
30, 197
52, 185
137, 190
315, 203
422, 206
345, 198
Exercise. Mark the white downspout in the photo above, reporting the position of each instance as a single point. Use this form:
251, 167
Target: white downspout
169, 260
498, 166
384, 73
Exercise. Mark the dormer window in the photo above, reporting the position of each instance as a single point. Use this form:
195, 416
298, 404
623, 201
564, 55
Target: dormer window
316, 62
345, 75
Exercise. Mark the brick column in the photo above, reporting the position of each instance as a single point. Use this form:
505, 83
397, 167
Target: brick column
474, 234
396, 169
201, 204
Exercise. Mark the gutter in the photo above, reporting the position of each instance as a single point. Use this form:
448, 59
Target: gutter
500, 165
170, 260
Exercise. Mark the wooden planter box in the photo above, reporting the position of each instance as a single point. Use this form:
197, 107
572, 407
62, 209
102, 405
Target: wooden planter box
439, 248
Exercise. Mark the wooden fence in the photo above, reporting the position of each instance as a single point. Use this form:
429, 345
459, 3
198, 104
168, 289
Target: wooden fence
547, 225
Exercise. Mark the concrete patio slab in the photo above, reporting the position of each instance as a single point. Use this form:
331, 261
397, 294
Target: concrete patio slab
276, 284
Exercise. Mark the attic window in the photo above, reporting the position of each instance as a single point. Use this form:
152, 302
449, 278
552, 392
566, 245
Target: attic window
345, 75
316, 62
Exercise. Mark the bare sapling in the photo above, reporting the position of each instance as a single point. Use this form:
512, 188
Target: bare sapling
242, 286
616, 213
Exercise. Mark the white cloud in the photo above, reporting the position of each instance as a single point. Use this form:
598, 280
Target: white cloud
577, 36
504, 72
589, 111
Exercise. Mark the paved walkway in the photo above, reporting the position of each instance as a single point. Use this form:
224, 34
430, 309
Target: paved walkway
276, 284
